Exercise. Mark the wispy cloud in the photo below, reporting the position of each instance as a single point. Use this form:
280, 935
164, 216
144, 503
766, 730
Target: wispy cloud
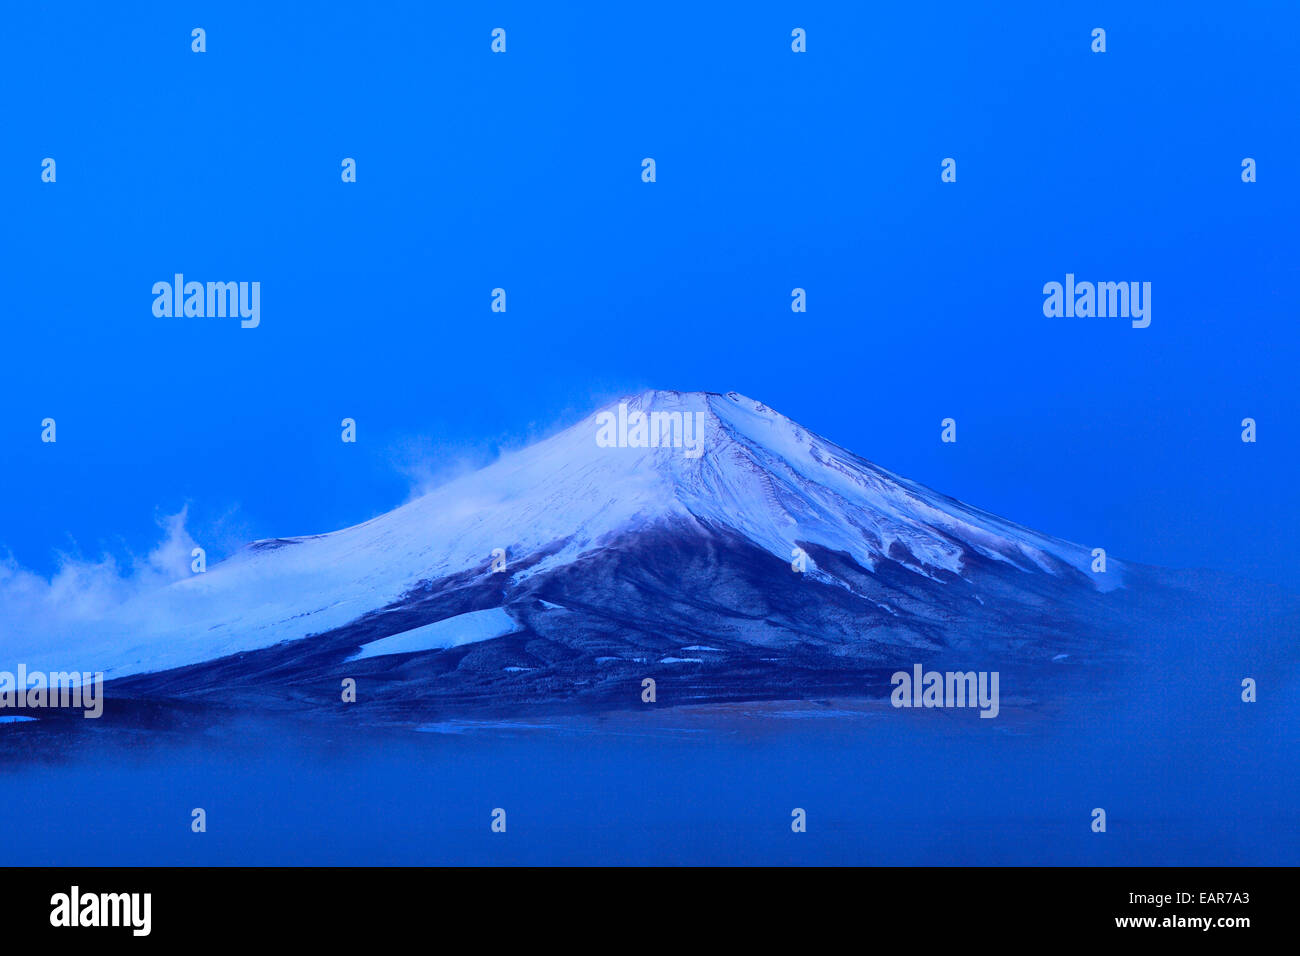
82, 590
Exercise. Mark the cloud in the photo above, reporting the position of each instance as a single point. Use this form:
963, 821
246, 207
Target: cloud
81, 591
426, 464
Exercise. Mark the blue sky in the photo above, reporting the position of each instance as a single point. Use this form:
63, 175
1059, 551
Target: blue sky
775, 170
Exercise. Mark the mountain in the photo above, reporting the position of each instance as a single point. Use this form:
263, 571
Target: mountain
623, 563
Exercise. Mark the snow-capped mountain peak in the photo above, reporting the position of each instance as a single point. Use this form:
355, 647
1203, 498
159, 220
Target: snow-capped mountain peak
723, 462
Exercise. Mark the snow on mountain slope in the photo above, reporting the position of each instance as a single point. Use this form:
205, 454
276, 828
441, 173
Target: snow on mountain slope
449, 632
760, 475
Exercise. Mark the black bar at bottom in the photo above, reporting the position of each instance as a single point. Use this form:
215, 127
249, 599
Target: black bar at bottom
333, 906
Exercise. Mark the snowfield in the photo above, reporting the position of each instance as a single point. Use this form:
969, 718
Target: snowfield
451, 632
